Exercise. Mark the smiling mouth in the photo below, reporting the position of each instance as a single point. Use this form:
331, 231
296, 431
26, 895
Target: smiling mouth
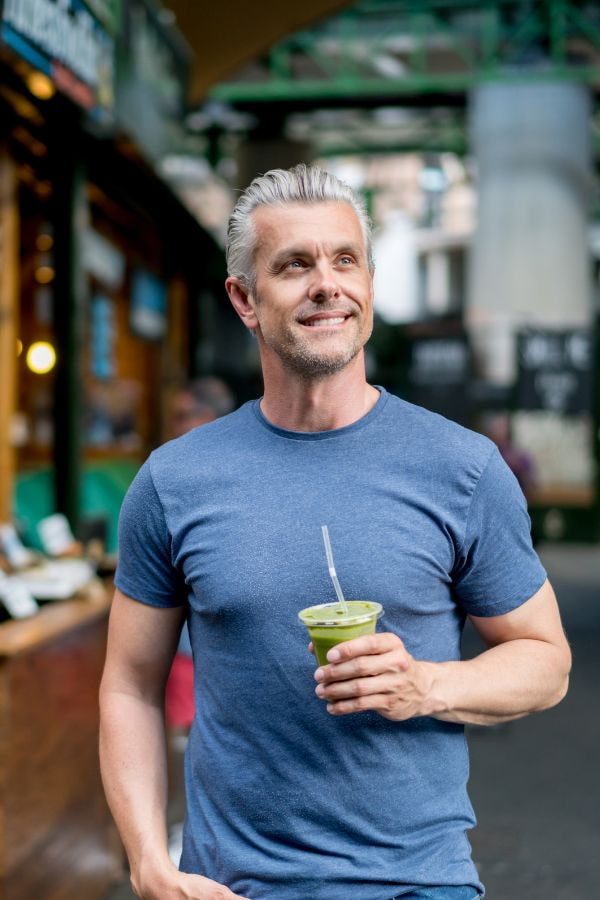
324, 321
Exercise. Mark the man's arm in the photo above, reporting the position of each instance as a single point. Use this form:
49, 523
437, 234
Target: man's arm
525, 669
141, 643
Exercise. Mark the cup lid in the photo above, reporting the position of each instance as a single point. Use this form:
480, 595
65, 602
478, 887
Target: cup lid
329, 615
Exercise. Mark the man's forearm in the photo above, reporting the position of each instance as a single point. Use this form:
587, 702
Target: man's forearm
516, 676
503, 683
134, 773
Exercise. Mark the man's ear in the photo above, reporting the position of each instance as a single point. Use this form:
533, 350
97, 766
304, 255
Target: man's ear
242, 301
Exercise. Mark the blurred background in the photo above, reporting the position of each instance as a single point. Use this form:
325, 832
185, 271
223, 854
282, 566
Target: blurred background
127, 130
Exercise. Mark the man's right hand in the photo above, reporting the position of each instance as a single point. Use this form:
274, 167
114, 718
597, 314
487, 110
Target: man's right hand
133, 753
178, 885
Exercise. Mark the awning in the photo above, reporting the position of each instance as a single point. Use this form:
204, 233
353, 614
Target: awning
224, 36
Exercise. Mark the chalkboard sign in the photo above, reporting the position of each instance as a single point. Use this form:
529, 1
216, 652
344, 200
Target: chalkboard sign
555, 370
439, 369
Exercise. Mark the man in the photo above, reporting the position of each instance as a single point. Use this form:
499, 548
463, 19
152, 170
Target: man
353, 788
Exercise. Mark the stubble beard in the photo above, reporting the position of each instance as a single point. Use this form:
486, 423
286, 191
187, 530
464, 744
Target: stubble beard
304, 360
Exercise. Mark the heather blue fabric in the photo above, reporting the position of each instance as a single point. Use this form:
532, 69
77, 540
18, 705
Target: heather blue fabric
465, 892
284, 800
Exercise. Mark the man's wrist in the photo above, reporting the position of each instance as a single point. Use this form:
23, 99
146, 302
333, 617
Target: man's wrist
153, 874
439, 701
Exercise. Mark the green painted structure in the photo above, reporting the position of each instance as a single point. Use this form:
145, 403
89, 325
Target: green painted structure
423, 52
103, 487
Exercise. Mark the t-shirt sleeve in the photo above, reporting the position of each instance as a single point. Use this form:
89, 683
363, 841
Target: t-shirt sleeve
496, 568
145, 570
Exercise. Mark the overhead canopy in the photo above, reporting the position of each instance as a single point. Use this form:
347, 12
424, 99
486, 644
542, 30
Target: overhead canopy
224, 36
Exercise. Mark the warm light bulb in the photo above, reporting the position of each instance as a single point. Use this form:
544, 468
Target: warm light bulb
40, 86
44, 274
44, 242
41, 357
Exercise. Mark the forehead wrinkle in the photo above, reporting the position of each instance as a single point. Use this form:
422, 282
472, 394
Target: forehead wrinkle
271, 221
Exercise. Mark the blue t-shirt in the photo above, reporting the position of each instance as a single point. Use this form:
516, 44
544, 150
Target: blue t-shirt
284, 800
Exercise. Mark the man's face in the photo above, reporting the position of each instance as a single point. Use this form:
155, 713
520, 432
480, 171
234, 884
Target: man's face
313, 300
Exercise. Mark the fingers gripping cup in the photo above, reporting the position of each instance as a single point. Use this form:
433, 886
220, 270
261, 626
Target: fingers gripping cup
328, 624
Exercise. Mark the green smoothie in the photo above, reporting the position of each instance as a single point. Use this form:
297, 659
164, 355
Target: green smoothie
328, 625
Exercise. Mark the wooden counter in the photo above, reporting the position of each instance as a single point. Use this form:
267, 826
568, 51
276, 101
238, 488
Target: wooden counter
57, 840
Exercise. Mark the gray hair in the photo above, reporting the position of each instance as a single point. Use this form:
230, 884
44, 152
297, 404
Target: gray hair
300, 184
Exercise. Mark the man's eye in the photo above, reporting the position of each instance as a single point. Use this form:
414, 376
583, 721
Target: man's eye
295, 264
346, 260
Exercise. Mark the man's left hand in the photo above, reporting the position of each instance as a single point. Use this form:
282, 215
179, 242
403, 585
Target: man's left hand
376, 672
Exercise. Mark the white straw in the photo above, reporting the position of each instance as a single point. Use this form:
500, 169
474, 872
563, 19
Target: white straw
332, 571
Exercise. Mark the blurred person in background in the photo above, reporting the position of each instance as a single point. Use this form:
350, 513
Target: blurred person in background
196, 403
354, 787
520, 463
496, 426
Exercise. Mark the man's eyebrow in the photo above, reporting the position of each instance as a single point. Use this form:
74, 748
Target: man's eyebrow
352, 249
288, 253
304, 251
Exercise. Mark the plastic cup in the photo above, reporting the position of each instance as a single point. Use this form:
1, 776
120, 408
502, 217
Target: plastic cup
328, 624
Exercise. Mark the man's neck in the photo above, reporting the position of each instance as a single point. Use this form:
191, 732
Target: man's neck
322, 405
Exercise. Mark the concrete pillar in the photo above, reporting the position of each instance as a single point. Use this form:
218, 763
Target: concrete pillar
530, 262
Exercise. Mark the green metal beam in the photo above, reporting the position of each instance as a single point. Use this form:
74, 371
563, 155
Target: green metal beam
384, 88
367, 149
430, 47
438, 140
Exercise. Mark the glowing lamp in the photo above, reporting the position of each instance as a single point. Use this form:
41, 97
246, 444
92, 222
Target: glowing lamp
44, 242
41, 357
40, 86
44, 274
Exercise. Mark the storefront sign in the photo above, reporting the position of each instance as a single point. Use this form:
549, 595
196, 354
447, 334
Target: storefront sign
62, 39
438, 375
103, 338
555, 371
439, 361
152, 81
148, 317
108, 12
103, 260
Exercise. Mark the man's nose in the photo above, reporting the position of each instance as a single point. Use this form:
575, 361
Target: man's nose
324, 285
